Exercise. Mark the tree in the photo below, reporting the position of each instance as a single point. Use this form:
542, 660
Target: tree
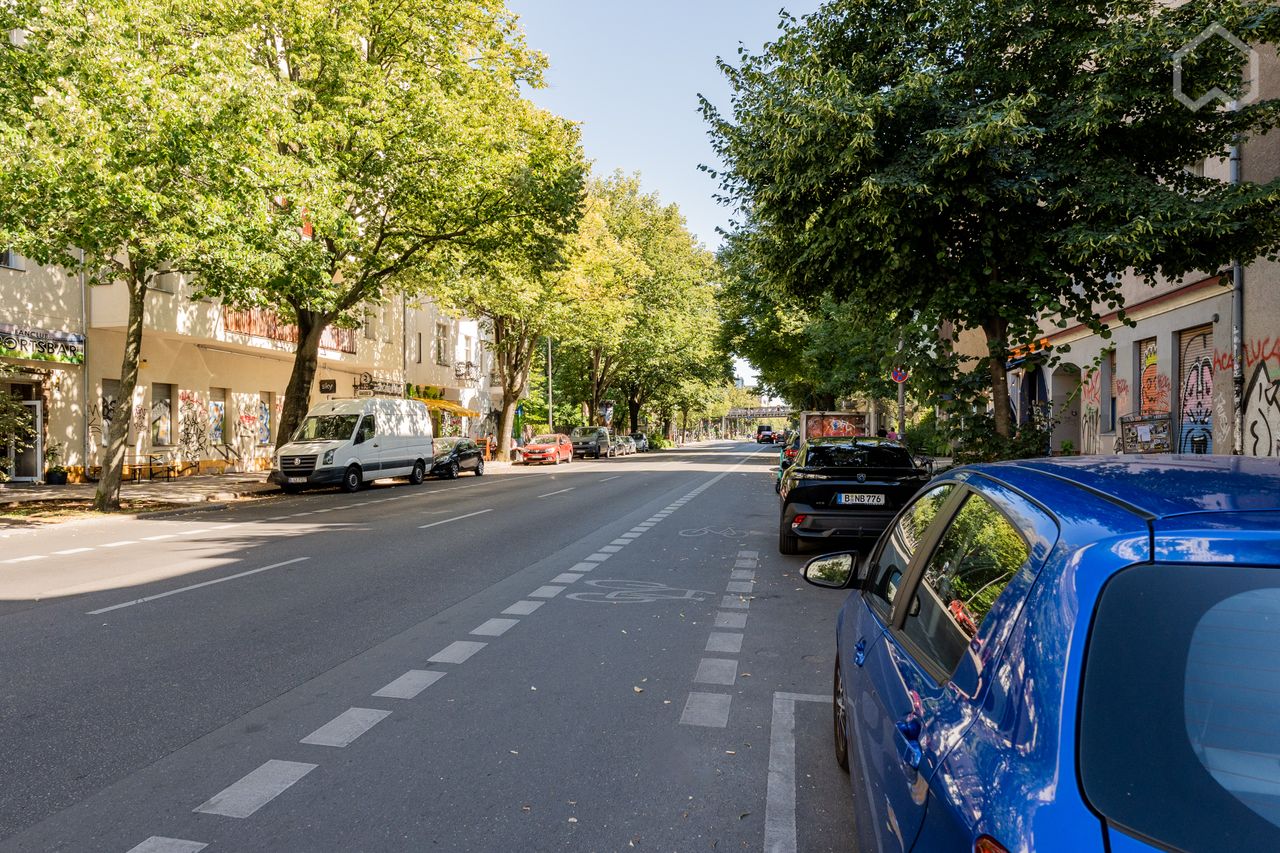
131, 137
408, 154
991, 165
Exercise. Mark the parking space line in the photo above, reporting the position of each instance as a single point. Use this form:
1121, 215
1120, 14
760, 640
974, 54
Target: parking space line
523, 608
160, 844
195, 586
410, 684
346, 727
455, 518
256, 789
780, 798
457, 652
494, 627
706, 709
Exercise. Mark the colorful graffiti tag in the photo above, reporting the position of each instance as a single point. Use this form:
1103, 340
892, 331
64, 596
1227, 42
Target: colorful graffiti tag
1262, 412
1195, 399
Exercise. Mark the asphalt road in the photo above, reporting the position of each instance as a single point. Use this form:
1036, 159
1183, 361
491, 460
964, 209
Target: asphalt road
602, 656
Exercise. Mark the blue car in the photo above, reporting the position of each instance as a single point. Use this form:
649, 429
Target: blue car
1078, 654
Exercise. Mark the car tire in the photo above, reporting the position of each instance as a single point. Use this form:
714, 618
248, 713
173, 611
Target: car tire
479, 467
451, 472
555, 460
418, 474
291, 490
597, 456
352, 479
788, 542
839, 720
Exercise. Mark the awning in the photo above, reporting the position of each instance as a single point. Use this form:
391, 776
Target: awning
446, 406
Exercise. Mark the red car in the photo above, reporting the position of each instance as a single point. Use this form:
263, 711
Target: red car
553, 448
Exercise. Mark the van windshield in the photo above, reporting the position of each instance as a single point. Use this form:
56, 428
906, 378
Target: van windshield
326, 428
585, 432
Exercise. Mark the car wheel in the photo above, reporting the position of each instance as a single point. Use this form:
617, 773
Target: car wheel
839, 719
479, 467
418, 474
351, 479
788, 542
555, 460
291, 490
597, 456
452, 471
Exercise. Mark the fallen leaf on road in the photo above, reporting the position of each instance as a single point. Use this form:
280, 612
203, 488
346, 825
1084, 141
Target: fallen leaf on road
573, 820
730, 752
525, 808
513, 752
743, 815
638, 689
666, 701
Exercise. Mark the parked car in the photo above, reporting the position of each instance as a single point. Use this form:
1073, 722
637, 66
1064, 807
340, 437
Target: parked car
786, 458
1074, 654
641, 440
591, 441
456, 455
764, 434
350, 442
553, 447
845, 488
628, 445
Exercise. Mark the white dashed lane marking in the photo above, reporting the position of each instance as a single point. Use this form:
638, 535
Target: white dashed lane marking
160, 844
455, 518
706, 709
546, 592
196, 586
410, 684
523, 608
738, 586
731, 620
346, 727
724, 643
494, 627
733, 602
121, 543
742, 574
716, 671
71, 551
243, 798
561, 492
582, 567
457, 652
566, 577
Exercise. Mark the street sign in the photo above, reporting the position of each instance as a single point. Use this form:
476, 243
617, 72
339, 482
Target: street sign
898, 375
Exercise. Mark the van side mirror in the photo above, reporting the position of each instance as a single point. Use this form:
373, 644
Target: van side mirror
833, 571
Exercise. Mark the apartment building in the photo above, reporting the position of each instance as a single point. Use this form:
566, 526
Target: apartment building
211, 380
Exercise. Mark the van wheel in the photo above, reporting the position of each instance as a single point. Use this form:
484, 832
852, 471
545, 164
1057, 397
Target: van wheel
788, 542
839, 720
418, 474
479, 467
291, 490
351, 479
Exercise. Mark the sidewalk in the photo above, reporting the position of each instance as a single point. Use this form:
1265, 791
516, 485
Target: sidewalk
179, 490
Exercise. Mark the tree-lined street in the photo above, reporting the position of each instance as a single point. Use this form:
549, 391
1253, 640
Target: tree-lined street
583, 657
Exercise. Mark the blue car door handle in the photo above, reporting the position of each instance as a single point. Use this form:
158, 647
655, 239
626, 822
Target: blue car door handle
860, 652
909, 734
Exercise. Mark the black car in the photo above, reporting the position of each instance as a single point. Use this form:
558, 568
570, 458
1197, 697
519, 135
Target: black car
642, 442
764, 434
455, 455
591, 441
845, 488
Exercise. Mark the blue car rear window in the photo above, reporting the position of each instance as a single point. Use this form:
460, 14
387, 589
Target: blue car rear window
1180, 707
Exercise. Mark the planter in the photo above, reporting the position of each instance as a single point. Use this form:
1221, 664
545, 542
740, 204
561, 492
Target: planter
55, 478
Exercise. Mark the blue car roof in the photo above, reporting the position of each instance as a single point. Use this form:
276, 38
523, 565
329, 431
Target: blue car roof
1162, 485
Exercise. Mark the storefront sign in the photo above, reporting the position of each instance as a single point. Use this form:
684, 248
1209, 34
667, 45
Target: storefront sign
41, 345
328, 386
379, 386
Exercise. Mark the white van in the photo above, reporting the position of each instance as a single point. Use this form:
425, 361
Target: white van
353, 441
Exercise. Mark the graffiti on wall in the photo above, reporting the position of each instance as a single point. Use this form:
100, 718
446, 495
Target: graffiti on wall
217, 417
1153, 386
1091, 412
193, 425
1195, 398
1262, 412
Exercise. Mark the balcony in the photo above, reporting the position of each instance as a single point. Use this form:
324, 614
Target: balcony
265, 323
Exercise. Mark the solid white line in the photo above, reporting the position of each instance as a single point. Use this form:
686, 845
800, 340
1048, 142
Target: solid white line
346, 727
561, 492
614, 477
455, 518
120, 543
410, 684
72, 551
196, 586
255, 790
780, 800
158, 537
160, 844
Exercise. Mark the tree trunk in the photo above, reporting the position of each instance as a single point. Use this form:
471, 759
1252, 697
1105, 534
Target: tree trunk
107, 497
997, 331
506, 422
306, 357
593, 404
633, 410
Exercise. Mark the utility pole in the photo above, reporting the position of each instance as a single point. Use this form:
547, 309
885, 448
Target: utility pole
550, 417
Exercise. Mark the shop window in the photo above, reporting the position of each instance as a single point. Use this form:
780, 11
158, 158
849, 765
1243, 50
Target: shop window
442, 344
10, 259
161, 414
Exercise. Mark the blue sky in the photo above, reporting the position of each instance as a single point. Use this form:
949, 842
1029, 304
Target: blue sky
631, 73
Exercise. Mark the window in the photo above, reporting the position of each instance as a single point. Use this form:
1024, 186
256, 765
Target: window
1153, 396
163, 280
1180, 684
890, 564
469, 355
442, 343
367, 323
417, 350
976, 557
218, 429
367, 429
858, 454
161, 414
1111, 372
388, 321
11, 259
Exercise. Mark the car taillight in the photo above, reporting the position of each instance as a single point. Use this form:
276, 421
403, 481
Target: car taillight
798, 520
790, 452
987, 844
